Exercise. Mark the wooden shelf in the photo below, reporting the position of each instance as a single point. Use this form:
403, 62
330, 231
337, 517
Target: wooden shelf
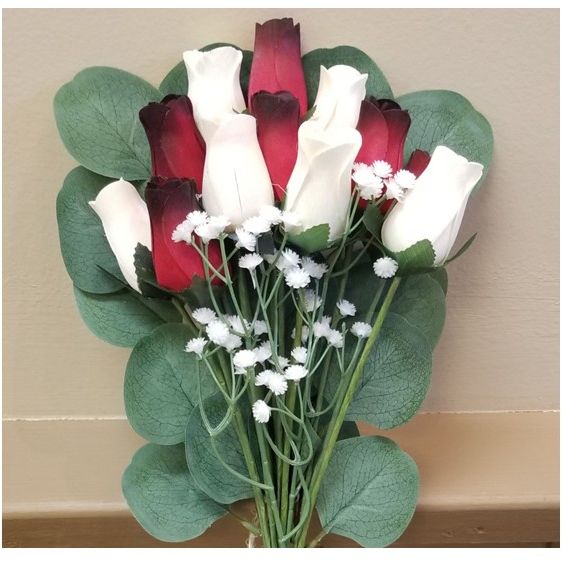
486, 478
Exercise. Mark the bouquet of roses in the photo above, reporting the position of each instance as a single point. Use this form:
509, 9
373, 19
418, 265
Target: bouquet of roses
274, 252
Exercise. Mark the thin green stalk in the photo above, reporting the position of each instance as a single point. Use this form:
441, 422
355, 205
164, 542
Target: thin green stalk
339, 414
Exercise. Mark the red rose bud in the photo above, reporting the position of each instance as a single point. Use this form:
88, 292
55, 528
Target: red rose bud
175, 263
277, 65
418, 161
383, 126
277, 121
176, 147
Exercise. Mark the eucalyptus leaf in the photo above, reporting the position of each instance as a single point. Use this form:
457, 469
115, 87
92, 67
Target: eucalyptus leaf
439, 274
162, 385
396, 376
376, 85
369, 492
84, 247
176, 82
163, 497
420, 300
463, 248
441, 117
122, 318
97, 118
312, 240
210, 475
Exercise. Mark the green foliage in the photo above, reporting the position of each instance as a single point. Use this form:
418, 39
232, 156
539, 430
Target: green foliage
377, 84
369, 492
313, 239
463, 248
447, 118
163, 497
84, 247
162, 385
176, 82
373, 219
122, 318
210, 475
97, 118
419, 257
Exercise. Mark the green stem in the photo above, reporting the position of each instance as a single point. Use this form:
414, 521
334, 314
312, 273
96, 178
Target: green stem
339, 413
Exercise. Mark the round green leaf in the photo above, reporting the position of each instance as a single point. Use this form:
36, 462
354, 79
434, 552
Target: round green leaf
97, 118
161, 385
447, 118
122, 318
313, 239
84, 247
176, 82
369, 492
396, 377
212, 477
421, 302
163, 497
377, 85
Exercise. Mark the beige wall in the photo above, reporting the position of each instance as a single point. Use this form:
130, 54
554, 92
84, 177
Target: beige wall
500, 346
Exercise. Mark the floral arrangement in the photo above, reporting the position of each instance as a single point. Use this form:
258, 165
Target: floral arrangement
269, 233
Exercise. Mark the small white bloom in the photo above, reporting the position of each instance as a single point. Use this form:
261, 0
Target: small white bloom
196, 346
261, 411
322, 328
207, 232
289, 259
244, 359
245, 239
232, 342
406, 179
272, 214
204, 316
283, 362
297, 278
315, 270
368, 182
295, 372
361, 329
237, 324
335, 338
382, 169
393, 190
217, 331
197, 217
183, 232
311, 301
305, 332
299, 354
263, 352
290, 220
218, 224
385, 267
250, 261
260, 327
256, 225
346, 308
263, 377
277, 383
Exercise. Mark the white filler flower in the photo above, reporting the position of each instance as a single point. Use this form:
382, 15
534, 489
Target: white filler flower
361, 329
385, 267
346, 308
232, 342
263, 352
260, 327
250, 261
335, 338
277, 383
315, 270
382, 169
218, 332
312, 301
322, 328
272, 214
295, 372
244, 359
297, 278
204, 316
257, 225
263, 377
406, 179
261, 411
196, 345
245, 239
299, 354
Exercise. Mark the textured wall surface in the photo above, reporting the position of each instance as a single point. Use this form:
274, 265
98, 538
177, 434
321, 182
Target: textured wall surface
500, 346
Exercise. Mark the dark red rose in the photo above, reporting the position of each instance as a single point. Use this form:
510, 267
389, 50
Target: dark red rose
176, 147
175, 263
277, 121
277, 65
